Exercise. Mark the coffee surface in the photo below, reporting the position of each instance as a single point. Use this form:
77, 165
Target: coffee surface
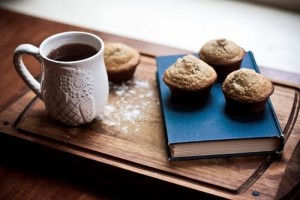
72, 52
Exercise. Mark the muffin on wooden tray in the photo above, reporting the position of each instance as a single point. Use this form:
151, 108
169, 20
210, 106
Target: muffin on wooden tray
223, 55
120, 61
246, 91
189, 78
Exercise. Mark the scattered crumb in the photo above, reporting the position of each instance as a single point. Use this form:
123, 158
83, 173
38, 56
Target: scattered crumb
128, 102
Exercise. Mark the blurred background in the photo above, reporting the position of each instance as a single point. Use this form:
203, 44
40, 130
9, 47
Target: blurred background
269, 28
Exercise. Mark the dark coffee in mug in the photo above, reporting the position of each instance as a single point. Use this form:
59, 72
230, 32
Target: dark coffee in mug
72, 52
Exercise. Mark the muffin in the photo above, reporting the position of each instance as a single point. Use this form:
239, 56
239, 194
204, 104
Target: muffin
121, 61
246, 91
189, 78
223, 55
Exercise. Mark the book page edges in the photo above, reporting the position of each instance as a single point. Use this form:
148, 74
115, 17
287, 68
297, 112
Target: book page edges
226, 147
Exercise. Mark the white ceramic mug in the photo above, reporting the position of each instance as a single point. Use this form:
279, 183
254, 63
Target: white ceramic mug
74, 92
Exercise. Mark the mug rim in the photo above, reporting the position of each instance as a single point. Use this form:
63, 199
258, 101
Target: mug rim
52, 37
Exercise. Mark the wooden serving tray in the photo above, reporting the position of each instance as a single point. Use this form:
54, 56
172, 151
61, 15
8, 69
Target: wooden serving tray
130, 134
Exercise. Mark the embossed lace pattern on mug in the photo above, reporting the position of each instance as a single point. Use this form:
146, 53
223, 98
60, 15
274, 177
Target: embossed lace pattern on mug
68, 94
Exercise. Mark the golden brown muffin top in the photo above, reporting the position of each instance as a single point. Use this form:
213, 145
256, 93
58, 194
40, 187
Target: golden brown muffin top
118, 56
248, 86
221, 52
190, 73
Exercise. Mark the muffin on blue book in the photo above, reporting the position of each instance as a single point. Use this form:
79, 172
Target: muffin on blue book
223, 55
246, 91
189, 78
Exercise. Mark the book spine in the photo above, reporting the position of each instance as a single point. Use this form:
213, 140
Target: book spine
163, 115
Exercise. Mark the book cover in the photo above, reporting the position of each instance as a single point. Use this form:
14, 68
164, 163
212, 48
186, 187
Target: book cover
207, 130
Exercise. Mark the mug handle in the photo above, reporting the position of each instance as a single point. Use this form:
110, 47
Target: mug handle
22, 69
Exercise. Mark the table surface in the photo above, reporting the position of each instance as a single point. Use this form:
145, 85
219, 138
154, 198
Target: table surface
24, 176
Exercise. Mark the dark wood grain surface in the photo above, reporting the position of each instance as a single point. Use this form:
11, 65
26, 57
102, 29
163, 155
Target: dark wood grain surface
32, 171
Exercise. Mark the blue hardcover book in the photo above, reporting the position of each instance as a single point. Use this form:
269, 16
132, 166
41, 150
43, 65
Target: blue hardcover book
207, 130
